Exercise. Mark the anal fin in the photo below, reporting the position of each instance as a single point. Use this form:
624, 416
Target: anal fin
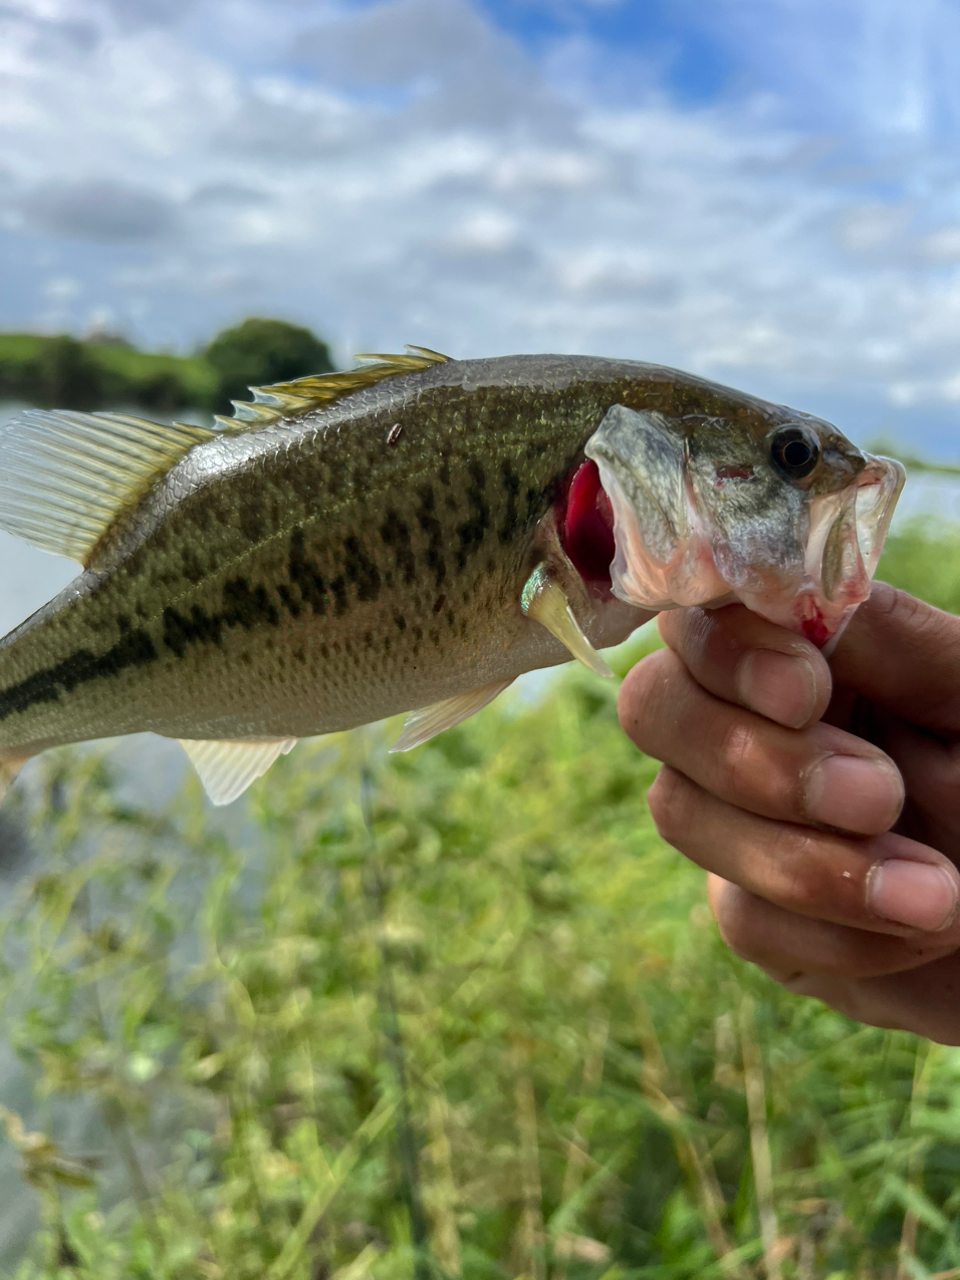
426, 723
226, 769
545, 601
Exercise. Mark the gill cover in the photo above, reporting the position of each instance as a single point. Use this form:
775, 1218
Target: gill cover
663, 556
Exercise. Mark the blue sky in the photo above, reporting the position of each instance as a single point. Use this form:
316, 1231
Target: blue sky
763, 191
692, 64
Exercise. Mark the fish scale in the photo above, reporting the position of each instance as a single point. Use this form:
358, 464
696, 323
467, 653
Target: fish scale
364, 544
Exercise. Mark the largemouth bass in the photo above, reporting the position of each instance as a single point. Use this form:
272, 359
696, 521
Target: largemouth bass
409, 536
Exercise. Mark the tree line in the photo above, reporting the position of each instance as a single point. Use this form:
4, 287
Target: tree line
102, 372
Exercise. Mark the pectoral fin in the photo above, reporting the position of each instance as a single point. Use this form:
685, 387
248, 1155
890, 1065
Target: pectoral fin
226, 769
426, 723
545, 600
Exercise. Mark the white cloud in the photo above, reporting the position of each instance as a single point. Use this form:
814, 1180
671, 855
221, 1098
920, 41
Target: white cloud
407, 172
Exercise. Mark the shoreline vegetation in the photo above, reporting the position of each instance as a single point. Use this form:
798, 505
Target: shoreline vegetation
454, 1013
457, 1013
104, 371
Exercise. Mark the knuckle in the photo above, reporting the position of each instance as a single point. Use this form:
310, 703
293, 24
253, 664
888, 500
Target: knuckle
924, 621
739, 919
891, 601
643, 693
740, 756
684, 629
670, 806
797, 857
752, 771
696, 633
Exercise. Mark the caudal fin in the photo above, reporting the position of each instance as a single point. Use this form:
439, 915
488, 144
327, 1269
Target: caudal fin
10, 766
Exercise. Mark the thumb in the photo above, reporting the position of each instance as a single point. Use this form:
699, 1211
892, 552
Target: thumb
904, 655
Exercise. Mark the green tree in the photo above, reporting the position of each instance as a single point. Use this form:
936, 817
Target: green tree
258, 352
66, 374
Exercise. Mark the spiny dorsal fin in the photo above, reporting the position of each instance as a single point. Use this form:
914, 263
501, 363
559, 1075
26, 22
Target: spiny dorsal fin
319, 391
65, 477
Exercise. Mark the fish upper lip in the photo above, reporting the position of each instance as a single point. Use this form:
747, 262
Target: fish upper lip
853, 462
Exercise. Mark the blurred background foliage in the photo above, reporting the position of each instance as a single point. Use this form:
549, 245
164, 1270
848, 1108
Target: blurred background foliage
259, 352
104, 371
452, 1013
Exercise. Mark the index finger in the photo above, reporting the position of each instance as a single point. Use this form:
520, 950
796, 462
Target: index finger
742, 658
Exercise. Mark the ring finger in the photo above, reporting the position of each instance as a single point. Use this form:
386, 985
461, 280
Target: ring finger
887, 884
793, 948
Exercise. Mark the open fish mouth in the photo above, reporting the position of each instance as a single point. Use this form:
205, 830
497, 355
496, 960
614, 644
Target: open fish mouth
847, 531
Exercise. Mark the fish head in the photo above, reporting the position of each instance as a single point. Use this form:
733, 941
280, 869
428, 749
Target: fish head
763, 504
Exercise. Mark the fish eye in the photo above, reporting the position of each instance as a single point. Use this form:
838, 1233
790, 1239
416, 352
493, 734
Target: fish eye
794, 451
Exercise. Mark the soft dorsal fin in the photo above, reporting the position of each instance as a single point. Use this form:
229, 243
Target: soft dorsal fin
65, 477
226, 769
319, 391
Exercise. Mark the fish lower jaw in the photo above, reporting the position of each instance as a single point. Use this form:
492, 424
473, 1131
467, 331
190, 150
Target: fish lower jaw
806, 610
688, 577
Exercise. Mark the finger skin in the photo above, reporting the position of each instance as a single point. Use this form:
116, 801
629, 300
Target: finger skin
742, 658
905, 655
925, 1001
834, 966
790, 947
817, 874
897, 651
750, 762
930, 769
787, 896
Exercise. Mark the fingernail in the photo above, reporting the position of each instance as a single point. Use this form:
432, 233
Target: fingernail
778, 686
913, 893
854, 794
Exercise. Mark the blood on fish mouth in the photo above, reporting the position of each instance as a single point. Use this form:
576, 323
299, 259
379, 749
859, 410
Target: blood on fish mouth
815, 629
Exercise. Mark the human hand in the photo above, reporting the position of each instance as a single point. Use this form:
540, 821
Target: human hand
823, 801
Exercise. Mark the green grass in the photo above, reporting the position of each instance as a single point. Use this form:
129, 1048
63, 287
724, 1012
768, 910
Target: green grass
925, 560
19, 346
459, 1012
192, 381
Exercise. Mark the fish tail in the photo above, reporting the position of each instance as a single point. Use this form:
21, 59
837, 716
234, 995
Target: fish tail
11, 762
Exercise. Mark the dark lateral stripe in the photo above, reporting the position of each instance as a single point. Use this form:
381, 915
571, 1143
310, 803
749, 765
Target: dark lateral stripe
135, 649
242, 605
